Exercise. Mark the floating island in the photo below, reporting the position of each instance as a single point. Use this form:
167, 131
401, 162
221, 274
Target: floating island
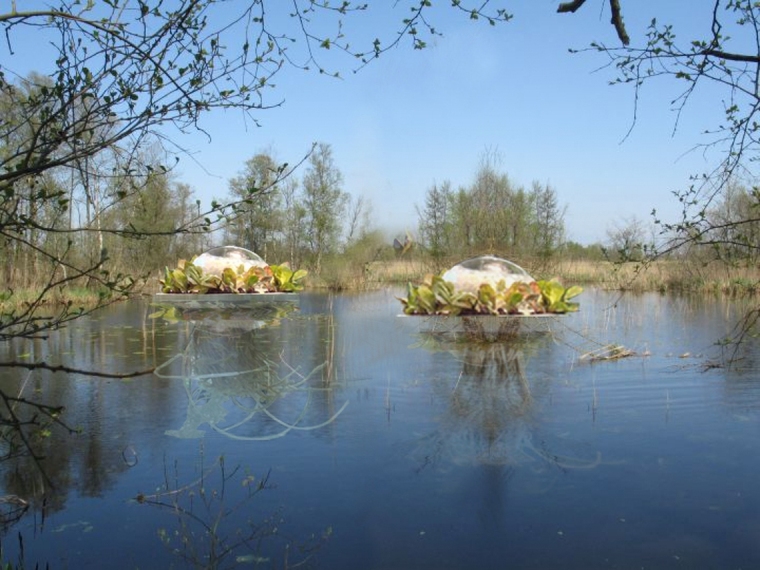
229, 277
491, 286
230, 270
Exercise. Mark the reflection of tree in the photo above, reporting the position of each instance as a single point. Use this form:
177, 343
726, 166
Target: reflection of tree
209, 531
238, 384
490, 402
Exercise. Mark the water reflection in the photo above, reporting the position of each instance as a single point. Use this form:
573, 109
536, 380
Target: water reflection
490, 401
208, 533
235, 376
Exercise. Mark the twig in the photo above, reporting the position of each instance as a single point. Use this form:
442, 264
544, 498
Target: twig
67, 369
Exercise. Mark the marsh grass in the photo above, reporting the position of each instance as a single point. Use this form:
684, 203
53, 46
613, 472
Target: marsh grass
346, 274
665, 276
79, 296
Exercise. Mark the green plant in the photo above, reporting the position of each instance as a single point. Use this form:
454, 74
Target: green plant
556, 298
434, 296
189, 278
286, 279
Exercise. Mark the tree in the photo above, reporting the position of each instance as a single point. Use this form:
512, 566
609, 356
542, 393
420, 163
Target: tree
548, 225
734, 236
435, 220
725, 61
492, 215
358, 222
294, 222
627, 240
258, 219
325, 203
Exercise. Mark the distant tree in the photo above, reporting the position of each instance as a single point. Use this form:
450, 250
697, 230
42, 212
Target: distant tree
325, 203
434, 220
257, 221
293, 222
627, 240
548, 226
463, 222
573, 250
491, 215
735, 225
358, 221
491, 196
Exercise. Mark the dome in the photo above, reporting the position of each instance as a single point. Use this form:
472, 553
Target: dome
215, 260
469, 275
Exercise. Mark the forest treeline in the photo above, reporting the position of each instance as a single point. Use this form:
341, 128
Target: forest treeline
122, 212
129, 223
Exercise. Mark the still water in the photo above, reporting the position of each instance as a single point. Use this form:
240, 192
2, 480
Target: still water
341, 435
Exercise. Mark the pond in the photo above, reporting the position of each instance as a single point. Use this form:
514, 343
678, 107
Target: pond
341, 435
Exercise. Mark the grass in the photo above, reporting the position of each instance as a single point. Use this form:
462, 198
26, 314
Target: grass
22, 298
665, 276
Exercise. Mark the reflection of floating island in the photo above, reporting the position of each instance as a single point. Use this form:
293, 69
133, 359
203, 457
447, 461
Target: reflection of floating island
226, 313
225, 300
482, 328
487, 286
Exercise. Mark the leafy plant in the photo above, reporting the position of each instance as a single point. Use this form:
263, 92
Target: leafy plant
434, 296
286, 279
556, 298
189, 278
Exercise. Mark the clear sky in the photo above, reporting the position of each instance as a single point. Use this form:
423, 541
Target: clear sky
418, 117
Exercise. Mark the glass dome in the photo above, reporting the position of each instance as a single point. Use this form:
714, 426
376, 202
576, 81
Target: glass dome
469, 275
215, 260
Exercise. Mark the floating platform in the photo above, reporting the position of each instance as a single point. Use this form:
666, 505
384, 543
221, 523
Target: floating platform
482, 327
223, 300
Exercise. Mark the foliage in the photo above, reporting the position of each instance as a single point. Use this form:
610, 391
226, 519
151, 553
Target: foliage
189, 278
491, 214
287, 280
325, 203
556, 298
257, 220
435, 296
720, 59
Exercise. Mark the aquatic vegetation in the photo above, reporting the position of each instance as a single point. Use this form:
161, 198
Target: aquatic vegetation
436, 296
190, 278
286, 279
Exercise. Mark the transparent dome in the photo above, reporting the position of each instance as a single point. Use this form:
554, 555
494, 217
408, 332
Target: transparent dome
472, 273
215, 260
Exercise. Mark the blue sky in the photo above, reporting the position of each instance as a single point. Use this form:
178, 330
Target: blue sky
414, 118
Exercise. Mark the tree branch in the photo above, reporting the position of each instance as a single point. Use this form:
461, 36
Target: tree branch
616, 20
570, 6
68, 370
